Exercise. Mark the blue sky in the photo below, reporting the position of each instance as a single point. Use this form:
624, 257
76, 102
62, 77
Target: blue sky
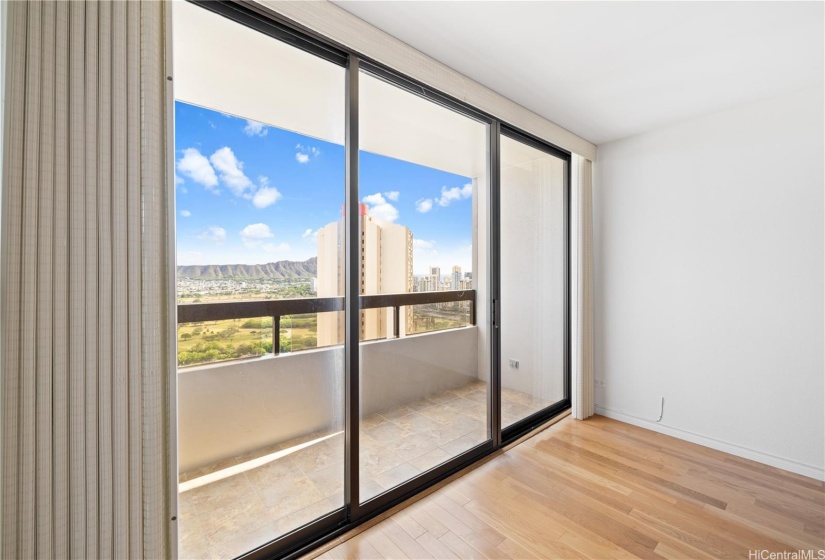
248, 193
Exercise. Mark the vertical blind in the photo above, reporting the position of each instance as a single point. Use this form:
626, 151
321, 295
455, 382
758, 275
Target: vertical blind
581, 269
86, 305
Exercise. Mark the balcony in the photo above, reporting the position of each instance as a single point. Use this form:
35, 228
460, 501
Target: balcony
261, 450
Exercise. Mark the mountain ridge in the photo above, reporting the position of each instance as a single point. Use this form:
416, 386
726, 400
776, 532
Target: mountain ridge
272, 270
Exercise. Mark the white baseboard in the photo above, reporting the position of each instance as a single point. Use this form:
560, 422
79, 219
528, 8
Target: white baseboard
758, 456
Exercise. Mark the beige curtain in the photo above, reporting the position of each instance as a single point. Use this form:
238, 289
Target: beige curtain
582, 293
86, 309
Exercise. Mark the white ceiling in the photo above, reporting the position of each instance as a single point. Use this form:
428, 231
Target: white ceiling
607, 70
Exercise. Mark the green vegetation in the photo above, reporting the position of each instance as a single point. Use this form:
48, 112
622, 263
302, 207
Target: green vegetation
216, 341
205, 352
259, 323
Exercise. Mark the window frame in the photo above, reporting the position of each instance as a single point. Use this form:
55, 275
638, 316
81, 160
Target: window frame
353, 513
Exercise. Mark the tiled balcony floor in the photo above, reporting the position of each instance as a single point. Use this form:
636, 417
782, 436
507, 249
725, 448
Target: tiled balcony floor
247, 507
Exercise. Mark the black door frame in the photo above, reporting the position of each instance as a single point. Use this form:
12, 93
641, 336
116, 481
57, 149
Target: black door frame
327, 527
528, 423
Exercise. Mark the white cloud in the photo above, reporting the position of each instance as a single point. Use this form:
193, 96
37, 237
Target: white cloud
254, 236
310, 235
305, 153
255, 128
455, 193
386, 212
256, 231
194, 165
231, 170
424, 205
423, 244
185, 213
213, 233
266, 196
311, 150
392, 195
376, 198
380, 208
178, 179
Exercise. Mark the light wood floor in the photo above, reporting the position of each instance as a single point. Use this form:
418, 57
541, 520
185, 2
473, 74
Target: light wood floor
602, 489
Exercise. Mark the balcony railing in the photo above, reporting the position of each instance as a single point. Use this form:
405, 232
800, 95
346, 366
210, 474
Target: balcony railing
277, 308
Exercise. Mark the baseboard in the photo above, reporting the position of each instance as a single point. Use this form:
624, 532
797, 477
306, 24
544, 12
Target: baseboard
758, 456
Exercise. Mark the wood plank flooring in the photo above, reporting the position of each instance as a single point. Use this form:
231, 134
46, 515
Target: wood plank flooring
602, 489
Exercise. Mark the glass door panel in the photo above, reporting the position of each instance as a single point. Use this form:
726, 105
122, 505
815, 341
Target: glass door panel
424, 333
533, 284
259, 157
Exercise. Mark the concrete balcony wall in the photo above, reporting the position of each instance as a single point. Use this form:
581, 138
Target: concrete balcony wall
408, 369
226, 410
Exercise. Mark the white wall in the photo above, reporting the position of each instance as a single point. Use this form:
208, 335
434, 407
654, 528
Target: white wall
709, 280
229, 409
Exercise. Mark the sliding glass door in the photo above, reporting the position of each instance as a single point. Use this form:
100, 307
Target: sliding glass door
533, 252
423, 372
260, 186
372, 284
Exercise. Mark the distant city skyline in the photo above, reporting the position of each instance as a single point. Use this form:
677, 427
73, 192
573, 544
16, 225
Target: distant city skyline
249, 193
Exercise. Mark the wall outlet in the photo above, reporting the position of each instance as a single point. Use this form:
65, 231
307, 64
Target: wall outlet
599, 382
513, 363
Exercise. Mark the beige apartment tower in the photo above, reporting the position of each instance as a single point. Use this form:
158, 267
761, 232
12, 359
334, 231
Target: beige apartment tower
386, 268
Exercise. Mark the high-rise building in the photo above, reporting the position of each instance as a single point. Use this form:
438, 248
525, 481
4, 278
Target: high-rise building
424, 284
456, 283
435, 279
330, 281
386, 268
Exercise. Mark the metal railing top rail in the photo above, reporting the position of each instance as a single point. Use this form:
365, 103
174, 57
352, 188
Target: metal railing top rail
247, 309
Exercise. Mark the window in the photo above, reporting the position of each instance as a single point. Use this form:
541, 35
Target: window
422, 177
260, 174
337, 278
533, 251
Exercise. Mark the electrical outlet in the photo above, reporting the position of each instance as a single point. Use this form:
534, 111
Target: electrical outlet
600, 383
513, 363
